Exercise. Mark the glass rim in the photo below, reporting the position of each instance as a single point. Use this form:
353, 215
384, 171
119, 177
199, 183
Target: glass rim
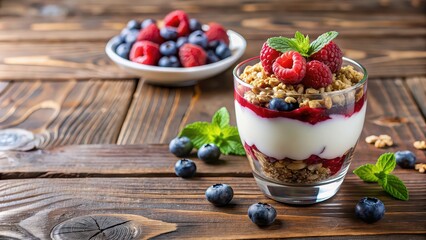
338, 92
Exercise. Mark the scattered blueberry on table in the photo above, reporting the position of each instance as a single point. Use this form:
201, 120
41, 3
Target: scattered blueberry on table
181, 146
209, 153
405, 159
178, 30
185, 168
370, 209
262, 214
219, 194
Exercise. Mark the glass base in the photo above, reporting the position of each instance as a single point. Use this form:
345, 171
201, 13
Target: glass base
300, 193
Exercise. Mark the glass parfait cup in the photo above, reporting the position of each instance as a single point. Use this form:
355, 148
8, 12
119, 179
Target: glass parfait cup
300, 156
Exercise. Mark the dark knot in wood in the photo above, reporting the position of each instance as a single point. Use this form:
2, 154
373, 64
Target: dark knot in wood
110, 227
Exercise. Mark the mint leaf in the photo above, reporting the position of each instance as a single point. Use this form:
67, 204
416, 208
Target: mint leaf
221, 118
302, 43
230, 142
366, 173
386, 162
219, 132
282, 44
381, 173
321, 41
395, 187
200, 133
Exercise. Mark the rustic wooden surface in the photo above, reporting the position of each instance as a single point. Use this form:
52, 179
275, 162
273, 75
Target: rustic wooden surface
56, 82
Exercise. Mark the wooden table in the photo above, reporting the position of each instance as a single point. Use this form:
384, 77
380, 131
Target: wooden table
101, 165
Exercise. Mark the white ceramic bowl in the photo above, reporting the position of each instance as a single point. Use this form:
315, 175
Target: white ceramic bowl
181, 76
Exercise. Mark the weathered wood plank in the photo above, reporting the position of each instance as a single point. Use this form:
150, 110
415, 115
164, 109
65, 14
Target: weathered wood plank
253, 25
35, 206
84, 60
417, 87
142, 161
57, 61
110, 7
155, 114
72, 112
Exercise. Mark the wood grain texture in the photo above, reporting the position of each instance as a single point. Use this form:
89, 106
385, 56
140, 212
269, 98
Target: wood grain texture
71, 112
155, 114
253, 25
37, 205
56, 61
417, 86
109, 7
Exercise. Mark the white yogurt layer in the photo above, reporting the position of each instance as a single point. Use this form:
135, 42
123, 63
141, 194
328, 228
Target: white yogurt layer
284, 137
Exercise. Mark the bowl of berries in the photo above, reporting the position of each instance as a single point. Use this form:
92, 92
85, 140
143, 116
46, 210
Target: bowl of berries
177, 51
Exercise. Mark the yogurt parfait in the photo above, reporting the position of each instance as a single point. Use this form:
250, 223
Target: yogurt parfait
300, 110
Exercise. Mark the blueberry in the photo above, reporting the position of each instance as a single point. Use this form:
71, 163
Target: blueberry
370, 210
181, 41
123, 50
194, 25
278, 104
405, 159
133, 24
185, 168
131, 36
211, 57
262, 214
198, 38
213, 44
219, 194
223, 51
117, 40
168, 48
208, 153
145, 23
181, 146
169, 33
171, 61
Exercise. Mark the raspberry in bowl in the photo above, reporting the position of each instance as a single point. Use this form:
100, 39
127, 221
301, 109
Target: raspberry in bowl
300, 110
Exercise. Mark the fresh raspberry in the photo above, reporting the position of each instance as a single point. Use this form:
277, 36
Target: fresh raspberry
267, 57
330, 55
192, 55
290, 67
179, 20
217, 32
150, 33
317, 75
145, 52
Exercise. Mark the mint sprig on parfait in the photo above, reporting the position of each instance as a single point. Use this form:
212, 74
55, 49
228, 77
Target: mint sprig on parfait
300, 43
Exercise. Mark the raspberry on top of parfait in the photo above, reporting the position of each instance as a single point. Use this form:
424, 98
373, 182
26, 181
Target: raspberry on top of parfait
296, 66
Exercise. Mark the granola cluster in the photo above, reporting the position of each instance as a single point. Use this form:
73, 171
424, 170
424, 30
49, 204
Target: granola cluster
266, 87
290, 171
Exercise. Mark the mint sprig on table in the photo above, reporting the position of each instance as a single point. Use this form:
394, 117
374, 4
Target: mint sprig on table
300, 43
218, 131
380, 173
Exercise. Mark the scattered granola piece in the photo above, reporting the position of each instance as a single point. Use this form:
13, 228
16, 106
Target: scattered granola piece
371, 139
421, 145
380, 141
421, 167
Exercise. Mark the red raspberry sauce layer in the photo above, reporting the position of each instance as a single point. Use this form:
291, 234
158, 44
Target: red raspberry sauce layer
304, 114
334, 164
